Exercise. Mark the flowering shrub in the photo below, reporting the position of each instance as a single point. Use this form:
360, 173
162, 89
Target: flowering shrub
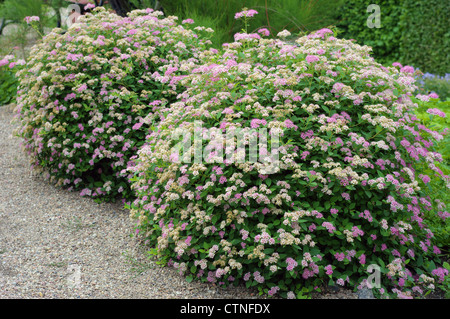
83, 95
342, 195
31, 19
433, 114
443, 280
8, 81
434, 83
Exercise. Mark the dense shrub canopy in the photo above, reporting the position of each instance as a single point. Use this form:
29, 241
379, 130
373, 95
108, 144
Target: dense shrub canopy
83, 94
343, 194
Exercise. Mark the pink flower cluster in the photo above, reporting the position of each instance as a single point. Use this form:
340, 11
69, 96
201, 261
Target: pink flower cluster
246, 13
31, 19
329, 226
291, 264
437, 112
441, 273
312, 58
89, 6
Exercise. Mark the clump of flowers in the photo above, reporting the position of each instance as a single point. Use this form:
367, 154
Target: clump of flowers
8, 82
332, 186
84, 93
432, 83
30, 20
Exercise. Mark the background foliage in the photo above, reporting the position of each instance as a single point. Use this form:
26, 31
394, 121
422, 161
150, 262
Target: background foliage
384, 41
275, 15
413, 32
425, 37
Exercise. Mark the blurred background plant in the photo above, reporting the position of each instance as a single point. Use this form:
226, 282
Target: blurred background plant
434, 83
15, 32
17, 37
8, 85
439, 224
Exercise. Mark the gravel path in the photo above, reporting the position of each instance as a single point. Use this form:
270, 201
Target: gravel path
56, 244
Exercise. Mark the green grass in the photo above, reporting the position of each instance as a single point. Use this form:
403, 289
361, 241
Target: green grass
276, 15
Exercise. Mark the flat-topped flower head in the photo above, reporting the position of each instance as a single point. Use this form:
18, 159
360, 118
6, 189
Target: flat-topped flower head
31, 19
248, 13
283, 34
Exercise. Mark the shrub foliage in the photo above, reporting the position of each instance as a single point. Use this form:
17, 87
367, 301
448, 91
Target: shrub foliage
83, 93
344, 194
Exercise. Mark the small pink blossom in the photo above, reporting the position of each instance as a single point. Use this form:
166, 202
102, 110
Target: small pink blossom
246, 13
312, 58
329, 227
407, 69
340, 282
89, 6
137, 126
255, 123
28, 20
436, 112
433, 95
246, 36
264, 32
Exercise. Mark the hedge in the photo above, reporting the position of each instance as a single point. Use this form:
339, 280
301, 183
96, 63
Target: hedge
412, 32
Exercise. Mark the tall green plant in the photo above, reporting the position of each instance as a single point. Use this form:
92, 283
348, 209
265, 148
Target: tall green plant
275, 15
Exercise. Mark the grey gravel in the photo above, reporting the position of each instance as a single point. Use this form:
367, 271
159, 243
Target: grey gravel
365, 293
55, 244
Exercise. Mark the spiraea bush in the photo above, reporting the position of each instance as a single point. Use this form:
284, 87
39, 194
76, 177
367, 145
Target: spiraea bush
83, 94
342, 195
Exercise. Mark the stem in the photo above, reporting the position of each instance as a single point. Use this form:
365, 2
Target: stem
267, 17
245, 24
